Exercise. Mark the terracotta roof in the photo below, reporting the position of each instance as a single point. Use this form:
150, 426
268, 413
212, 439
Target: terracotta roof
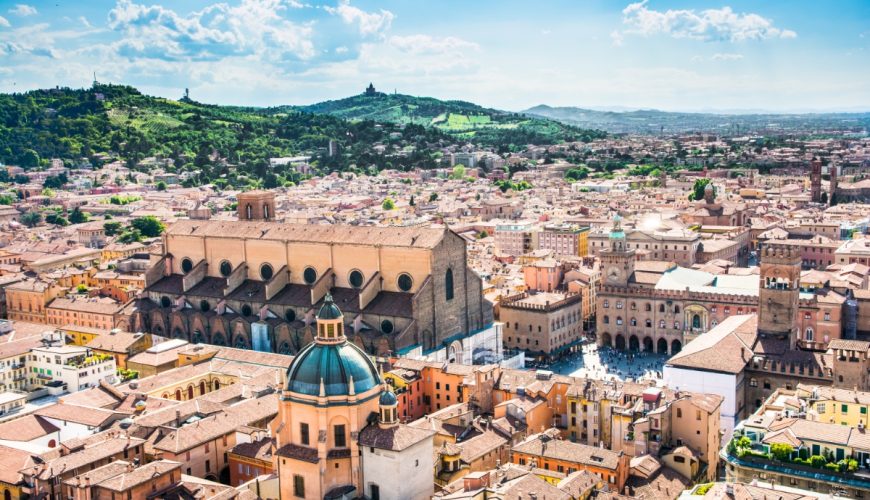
26, 428
297, 452
726, 348
396, 438
570, 452
94, 417
415, 237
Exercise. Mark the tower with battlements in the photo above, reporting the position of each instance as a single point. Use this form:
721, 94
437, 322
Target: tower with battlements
779, 292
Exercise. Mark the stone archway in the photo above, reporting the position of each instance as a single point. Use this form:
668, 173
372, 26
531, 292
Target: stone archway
647, 344
662, 347
633, 343
620, 342
606, 340
676, 346
454, 352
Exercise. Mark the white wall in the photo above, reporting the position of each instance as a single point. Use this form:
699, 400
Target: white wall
400, 475
701, 381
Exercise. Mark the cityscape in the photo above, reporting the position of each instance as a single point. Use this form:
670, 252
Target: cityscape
266, 249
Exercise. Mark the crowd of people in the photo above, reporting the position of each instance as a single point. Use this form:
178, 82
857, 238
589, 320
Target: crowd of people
606, 363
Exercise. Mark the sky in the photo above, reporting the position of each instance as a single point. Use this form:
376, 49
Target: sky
792, 55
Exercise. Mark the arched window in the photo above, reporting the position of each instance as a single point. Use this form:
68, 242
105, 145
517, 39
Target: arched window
356, 278
649, 323
178, 394
647, 307
217, 384
405, 282
387, 326
186, 265
606, 320
202, 387
633, 322
448, 284
204, 305
265, 210
190, 392
246, 310
266, 272
309, 275
661, 308
619, 320
696, 321
226, 268
249, 213
165, 301
809, 334
290, 315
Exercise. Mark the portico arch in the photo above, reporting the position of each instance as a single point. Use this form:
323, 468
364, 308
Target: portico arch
676, 346
662, 347
620, 342
633, 343
647, 344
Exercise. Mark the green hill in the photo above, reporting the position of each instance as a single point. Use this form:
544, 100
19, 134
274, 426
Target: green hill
120, 122
460, 119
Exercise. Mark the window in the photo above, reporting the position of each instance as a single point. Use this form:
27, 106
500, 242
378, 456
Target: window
606, 320
246, 310
340, 441
204, 305
226, 268
186, 265
298, 486
309, 275
266, 272
290, 315
208, 466
356, 278
679, 413
405, 282
376, 492
387, 326
303, 433
448, 284
844, 409
165, 301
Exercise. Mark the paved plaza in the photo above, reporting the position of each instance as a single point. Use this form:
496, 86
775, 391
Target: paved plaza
606, 363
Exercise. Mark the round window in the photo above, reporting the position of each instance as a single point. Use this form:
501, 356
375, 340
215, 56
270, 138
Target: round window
204, 305
186, 265
355, 278
405, 282
226, 268
266, 272
165, 301
290, 315
387, 326
246, 310
309, 275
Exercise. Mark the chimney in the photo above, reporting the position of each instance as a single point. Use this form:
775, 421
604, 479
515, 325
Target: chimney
177, 418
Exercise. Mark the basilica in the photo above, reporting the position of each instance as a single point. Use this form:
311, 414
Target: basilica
256, 284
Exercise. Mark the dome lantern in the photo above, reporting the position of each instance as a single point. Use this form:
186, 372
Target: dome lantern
330, 323
388, 408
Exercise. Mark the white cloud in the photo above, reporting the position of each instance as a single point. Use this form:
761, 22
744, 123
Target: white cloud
23, 10
4, 23
727, 57
216, 31
617, 38
369, 23
84, 21
341, 50
720, 25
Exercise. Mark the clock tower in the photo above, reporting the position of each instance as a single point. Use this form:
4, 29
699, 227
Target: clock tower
617, 261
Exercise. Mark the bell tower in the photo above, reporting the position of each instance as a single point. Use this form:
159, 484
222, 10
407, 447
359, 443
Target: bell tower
618, 260
778, 292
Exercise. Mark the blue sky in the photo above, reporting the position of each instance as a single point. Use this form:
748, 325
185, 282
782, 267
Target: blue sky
673, 55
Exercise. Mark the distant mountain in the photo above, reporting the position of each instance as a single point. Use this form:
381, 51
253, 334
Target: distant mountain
655, 121
460, 119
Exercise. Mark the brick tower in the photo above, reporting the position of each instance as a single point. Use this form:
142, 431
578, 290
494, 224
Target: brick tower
778, 292
256, 205
816, 181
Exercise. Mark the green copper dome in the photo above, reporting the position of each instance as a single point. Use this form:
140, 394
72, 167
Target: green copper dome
335, 364
328, 310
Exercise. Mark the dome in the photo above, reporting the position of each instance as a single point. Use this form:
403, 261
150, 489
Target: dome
388, 399
328, 310
335, 364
